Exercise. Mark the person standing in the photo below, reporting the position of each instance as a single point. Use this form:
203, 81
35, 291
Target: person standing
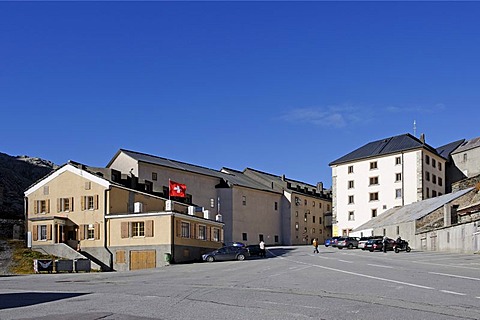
262, 249
315, 245
384, 244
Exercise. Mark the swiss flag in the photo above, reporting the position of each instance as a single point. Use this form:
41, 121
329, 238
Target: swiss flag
177, 189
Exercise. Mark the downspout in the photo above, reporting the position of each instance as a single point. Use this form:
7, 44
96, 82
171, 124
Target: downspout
105, 231
172, 245
25, 212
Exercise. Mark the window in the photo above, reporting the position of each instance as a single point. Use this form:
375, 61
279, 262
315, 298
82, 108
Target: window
398, 230
212, 203
90, 232
319, 220
305, 217
427, 159
398, 177
434, 193
373, 181
351, 216
296, 226
434, 178
305, 202
276, 239
465, 157
64, 204
43, 232
351, 184
374, 196
398, 193
260, 237
244, 236
313, 230
296, 213
398, 160
313, 219
90, 202
154, 176
434, 163
328, 207
185, 230
440, 181
41, 206
439, 166
138, 229
216, 234
374, 213
46, 190
88, 185
202, 232
297, 201
244, 200
350, 169
428, 193
350, 200
427, 176
276, 206
373, 165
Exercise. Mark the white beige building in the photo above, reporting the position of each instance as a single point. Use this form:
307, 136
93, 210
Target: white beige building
383, 174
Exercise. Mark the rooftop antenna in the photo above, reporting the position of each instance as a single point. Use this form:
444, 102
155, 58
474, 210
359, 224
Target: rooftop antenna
414, 128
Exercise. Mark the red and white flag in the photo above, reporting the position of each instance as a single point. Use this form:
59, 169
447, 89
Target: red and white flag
177, 189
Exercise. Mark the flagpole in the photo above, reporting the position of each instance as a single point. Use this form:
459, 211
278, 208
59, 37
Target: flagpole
168, 188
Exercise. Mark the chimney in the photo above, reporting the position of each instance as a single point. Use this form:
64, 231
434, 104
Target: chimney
320, 187
422, 138
283, 177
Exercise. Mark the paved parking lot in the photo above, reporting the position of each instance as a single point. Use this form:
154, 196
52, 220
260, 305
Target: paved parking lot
291, 283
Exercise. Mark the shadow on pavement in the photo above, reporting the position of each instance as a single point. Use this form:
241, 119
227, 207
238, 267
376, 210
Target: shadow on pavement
23, 299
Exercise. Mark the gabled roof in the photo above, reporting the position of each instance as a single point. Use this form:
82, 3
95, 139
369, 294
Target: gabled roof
467, 145
411, 212
392, 145
70, 168
446, 150
231, 177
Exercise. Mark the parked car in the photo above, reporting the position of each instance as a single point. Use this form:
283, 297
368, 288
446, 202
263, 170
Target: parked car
226, 253
347, 242
253, 250
363, 241
377, 245
330, 241
234, 244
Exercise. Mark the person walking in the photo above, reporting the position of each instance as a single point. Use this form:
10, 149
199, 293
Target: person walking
262, 249
315, 245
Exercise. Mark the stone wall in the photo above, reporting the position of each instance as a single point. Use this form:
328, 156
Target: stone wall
466, 183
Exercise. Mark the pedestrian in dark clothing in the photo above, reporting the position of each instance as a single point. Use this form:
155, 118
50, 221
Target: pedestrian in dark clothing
384, 244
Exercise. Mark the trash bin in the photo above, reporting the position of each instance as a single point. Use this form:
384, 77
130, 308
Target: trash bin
83, 265
168, 257
64, 265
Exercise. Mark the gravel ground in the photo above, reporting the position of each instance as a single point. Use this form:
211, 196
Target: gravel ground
5, 257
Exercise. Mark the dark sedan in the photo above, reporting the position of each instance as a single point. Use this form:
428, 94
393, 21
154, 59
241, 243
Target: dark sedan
226, 253
254, 250
377, 245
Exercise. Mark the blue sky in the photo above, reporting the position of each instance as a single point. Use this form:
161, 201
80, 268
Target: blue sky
282, 87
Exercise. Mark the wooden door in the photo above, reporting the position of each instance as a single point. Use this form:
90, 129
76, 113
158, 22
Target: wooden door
144, 259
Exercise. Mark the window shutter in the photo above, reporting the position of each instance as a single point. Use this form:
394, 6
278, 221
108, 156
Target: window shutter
49, 232
120, 256
59, 204
71, 203
97, 231
178, 228
124, 230
81, 231
48, 206
35, 207
83, 203
95, 205
149, 228
35, 232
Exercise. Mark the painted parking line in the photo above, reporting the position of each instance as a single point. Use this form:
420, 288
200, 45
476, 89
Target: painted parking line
345, 261
454, 276
453, 292
380, 266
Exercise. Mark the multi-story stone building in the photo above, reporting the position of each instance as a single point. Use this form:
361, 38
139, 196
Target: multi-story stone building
381, 175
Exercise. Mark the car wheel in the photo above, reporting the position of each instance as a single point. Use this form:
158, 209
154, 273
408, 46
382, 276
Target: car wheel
210, 259
350, 246
371, 250
397, 250
240, 257
340, 248
408, 249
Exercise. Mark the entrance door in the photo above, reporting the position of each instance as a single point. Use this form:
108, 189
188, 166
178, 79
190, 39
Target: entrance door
144, 259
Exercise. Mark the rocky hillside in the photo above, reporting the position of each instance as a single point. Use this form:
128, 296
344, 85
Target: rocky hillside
16, 175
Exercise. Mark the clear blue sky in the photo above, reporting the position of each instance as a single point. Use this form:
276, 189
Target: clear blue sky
282, 87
